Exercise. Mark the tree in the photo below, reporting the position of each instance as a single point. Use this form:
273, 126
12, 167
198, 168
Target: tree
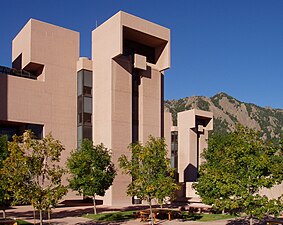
152, 176
91, 169
237, 166
33, 172
5, 195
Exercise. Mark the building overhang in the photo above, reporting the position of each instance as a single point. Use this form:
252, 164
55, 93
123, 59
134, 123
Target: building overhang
144, 37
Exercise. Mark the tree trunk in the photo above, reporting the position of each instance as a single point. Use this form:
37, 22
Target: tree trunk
251, 220
4, 213
150, 208
94, 205
33, 215
49, 214
40, 217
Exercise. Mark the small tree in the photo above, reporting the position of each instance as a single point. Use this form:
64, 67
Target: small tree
152, 176
5, 195
237, 167
91, 169
33, 171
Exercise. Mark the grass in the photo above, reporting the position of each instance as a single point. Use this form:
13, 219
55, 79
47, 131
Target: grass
206, 217
113, 216
129, 215
22, 222
212, 217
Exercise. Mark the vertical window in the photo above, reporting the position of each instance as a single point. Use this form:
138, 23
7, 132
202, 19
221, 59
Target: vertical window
87, 105
80, 83
84, 103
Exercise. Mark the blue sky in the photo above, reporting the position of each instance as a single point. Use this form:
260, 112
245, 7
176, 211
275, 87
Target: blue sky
234, 46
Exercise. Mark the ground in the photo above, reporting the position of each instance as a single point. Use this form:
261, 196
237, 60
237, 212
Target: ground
72, 215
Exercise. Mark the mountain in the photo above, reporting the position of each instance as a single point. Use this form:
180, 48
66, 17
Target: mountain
228, 112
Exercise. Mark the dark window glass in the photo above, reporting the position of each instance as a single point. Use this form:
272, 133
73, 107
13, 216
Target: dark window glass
11, 128
87, 91
80, 104
80, 82
87, 105
87, 132
36, 129
87, 118
87, 78
80, 118
9, 131
174, 149
79, 136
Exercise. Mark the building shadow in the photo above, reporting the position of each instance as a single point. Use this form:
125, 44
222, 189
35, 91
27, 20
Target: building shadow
76, 208
3, 96
244, 221
190, 173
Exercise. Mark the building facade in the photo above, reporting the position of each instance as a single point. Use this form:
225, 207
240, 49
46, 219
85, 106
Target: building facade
39, 91
115, 98
128, 81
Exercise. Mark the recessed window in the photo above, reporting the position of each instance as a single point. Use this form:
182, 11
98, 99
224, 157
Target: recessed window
87, 118
80, 118
87, 91
87, 132
87, 78
87, 105
80, 104
12, 128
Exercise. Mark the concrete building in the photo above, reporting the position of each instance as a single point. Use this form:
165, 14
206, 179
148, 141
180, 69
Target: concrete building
128, 70
193, 127
39, 92
188, 140
115, 98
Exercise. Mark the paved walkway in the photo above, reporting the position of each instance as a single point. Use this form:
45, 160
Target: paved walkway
72, 215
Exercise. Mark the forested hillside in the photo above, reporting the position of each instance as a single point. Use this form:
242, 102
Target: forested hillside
229, 111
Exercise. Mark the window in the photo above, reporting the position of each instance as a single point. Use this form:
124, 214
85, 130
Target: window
87, 91
87, 118
11, 128
84, 105
87, 105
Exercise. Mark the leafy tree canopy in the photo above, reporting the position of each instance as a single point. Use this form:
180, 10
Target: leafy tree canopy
152, 176
5, 195
237, 166
33, 172
3, 149
92, 171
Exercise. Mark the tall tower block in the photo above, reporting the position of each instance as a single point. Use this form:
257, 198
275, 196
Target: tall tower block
129, 57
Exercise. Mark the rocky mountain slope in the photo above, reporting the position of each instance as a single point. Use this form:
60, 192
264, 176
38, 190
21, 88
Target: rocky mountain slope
229, 111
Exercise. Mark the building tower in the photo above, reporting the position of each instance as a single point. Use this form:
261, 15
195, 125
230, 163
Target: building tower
193, 127
129, 56
39, 92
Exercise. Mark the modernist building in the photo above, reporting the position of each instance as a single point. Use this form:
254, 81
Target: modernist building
128, 70
188, 140
115, 98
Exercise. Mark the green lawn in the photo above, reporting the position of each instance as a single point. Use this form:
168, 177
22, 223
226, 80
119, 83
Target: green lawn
22, 222
212, 217
206, 217
128, 215
113, 216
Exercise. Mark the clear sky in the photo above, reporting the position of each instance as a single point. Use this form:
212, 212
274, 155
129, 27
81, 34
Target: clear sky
234, 46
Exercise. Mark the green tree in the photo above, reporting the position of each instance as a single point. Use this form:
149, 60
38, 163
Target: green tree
91, 169
5, 195
33, 171
237, 166
152, 176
